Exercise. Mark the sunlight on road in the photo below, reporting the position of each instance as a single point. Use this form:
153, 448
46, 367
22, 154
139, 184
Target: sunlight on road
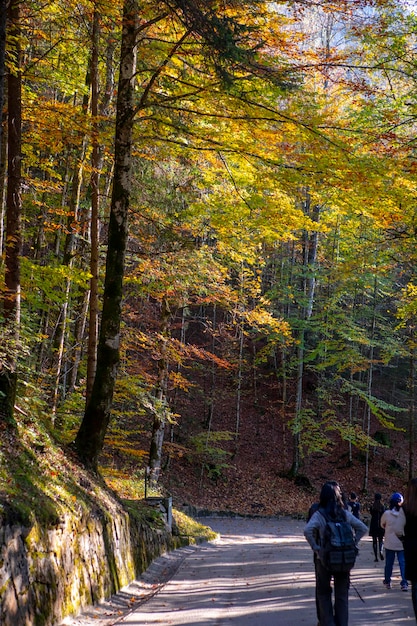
260, 573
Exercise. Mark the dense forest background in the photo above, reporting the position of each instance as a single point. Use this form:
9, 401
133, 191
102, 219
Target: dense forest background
208, 231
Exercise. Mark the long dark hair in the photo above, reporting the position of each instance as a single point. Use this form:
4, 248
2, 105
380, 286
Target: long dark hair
331, 500
411, 501
377, 506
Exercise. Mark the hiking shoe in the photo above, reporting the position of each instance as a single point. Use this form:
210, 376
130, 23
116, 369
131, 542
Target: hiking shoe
386, 585
404, 587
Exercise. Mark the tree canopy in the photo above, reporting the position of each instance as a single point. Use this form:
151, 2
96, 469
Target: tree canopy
201, 192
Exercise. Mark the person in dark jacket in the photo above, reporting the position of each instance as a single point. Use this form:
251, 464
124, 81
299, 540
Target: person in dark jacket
375, 531
313, 508
410, 540
353, 505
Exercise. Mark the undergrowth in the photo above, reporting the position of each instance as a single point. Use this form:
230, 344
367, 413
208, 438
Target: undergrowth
41, 480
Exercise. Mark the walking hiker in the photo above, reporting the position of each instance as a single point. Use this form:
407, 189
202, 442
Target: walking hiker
331, 511
313, 508
393, 522
353, 505
376, 510
410, 539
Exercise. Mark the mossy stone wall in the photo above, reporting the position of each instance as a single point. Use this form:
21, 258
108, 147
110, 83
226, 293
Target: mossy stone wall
48, 573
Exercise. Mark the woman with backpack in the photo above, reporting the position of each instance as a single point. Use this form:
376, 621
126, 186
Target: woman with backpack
375, 531
332, 512
393, 522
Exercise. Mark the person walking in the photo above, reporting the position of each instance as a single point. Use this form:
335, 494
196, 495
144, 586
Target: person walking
393, 522
331, 507
313, 508
376, 510
410, 540
353, 505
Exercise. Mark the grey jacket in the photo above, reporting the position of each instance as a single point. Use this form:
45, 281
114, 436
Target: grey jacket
314, 529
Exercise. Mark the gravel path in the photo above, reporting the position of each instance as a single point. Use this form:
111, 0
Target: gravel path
261, 569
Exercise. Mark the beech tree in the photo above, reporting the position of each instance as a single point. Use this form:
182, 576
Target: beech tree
228, 47
11, 297
241, 124
90, 436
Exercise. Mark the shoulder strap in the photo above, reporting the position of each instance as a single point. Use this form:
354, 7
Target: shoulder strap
339, 518
323, 514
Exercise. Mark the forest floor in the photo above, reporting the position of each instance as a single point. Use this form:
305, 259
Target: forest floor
217, 457
256, 482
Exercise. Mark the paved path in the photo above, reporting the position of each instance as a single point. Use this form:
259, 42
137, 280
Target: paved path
258, 573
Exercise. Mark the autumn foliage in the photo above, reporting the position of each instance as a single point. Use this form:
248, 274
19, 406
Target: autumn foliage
259, 230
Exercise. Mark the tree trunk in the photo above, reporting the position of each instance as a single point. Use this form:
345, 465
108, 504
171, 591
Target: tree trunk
310, 245
90, 437
369, 389
95, 178
412, 407
158, 428
11, 300
241, 337
211, 395
3, 24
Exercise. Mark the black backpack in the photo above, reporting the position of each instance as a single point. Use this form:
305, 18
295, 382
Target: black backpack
338, 551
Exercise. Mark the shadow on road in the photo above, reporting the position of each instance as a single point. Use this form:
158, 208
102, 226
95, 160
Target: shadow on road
258, 573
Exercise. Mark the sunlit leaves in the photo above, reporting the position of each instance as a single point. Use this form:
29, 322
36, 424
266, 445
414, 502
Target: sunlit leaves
42, 284
228, 145
407, 306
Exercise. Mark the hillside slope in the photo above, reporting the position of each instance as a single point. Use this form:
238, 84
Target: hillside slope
206, 469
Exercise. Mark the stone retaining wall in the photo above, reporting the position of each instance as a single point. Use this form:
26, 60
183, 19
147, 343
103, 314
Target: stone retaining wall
49, 573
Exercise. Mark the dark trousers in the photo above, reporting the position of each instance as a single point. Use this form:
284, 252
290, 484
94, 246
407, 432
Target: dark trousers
338, 614
377, 541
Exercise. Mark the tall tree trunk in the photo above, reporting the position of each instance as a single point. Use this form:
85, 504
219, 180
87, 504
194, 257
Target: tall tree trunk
3, 175
11, 300
369, 387
412, 407
3, 24
241, 337
211, 395
60, 349
159, 421
90, 437
298, 404
309, 284
70, 250
68, 260
79, 334
95, 178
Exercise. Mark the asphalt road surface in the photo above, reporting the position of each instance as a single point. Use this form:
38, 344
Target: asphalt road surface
258, 573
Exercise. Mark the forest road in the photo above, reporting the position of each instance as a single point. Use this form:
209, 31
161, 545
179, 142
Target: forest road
259, 573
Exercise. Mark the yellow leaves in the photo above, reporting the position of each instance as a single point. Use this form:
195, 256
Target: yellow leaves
178, 381
261, 320
407, 306
181, 277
